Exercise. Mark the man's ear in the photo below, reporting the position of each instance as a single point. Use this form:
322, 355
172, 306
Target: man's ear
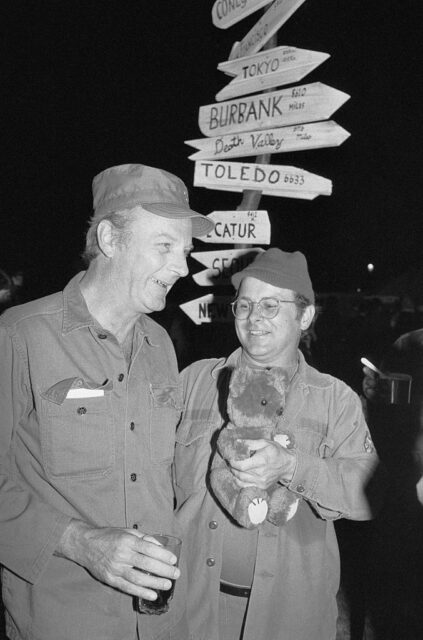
105, 238
307, 317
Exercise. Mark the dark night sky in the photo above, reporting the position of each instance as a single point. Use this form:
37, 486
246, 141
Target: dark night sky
90, 84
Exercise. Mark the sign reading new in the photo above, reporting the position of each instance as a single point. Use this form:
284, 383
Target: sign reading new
239, 227
221, 265
316, 135
279, 12
270, 179
225, 13
209, 308
305, 103
267, 69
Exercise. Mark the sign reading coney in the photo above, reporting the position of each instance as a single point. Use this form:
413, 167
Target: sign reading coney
225, 13
305, 103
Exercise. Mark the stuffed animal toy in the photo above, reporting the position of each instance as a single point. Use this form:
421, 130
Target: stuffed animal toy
255, 403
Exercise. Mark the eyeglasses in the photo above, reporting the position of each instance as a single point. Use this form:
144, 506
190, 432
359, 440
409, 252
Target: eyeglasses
267, 307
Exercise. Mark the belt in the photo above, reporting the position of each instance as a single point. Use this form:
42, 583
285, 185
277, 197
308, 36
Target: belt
233, 590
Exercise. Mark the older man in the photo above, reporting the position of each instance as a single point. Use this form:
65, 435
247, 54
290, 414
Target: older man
271, 582
90, 399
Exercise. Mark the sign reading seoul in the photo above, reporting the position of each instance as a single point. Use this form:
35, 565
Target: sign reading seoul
221, 265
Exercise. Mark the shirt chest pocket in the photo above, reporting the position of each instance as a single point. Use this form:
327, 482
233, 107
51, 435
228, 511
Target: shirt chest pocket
77, 436
165, 410
192, 456
310, 436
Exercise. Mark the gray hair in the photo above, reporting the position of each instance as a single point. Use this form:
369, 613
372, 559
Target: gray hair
301, 302
121, 222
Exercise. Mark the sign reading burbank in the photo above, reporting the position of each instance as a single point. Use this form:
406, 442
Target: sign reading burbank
209, 308
279, 12
316, 135
225, 13
270, 179
221, 265
267, 69
239, 227
305, 103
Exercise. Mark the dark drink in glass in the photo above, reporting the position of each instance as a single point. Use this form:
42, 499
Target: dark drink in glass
161, 604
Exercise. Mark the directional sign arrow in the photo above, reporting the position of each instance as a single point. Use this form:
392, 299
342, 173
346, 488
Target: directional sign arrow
209, 308
222, 264
239, 227
316, 135
270, 179
305, 103
267, 69
225, 13
278, 13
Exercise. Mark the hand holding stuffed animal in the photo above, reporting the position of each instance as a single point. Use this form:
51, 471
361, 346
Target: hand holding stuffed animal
255, 403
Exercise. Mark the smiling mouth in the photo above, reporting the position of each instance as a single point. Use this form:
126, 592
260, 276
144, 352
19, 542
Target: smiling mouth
257, 332
165, 285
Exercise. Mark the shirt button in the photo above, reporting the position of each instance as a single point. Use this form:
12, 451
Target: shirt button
81, 411
133, 477
121, 377
210, 562
102, 336
135, 526
213, 524
300, 488
132, 426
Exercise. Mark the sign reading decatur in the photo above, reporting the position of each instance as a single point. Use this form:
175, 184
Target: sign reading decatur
239, 227
315, 135
225, 13
221, 265
270, 179
209, 308
267, 69
278, 13
305, 103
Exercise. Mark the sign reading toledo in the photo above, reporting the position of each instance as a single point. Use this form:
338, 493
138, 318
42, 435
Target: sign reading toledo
305, 103
270, 179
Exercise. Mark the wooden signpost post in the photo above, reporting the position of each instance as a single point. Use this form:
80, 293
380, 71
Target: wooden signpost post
225, 13
270, 179
278, 13
245, 227
209, 308
305, 103
267, 69
300, 137
221, 265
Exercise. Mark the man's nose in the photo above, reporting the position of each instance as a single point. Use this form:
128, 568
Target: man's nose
255, 313
181, 266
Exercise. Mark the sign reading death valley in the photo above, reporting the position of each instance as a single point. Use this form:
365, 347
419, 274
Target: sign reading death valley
278, 13
209, 308
267, 69
305, 103
225, 13
239, 227
270, 179
300, 137
221, 265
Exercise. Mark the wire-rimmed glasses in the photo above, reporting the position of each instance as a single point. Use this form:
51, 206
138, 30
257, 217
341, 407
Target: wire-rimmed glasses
267, 307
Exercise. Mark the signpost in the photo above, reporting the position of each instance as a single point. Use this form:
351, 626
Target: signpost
300, 137
278, 13
245, 227
209, 308
267, 69
221, 265
225, 13
270, 179
305, 103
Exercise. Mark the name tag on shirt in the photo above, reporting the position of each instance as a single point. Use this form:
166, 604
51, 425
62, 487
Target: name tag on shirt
85, 393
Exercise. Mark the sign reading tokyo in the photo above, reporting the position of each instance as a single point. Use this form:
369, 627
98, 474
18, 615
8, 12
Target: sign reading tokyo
239, 227
221, 265
278, 13
315, 135
270, 179
225, 13
209, 308
306, 103
267, 69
